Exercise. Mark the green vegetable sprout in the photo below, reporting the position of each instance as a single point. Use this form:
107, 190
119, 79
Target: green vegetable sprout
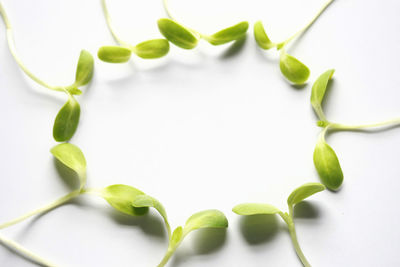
298, 195
67, 119
325, 159
187, 38
199, 220
150, 49
124, 198
292, 68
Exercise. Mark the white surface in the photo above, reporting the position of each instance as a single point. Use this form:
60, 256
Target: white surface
201, 129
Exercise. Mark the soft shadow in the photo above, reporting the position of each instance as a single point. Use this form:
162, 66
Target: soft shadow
13, 251
257, 229
148, 223
234, 48
205, 241
208, 240
297, 86
69, 177
306, 209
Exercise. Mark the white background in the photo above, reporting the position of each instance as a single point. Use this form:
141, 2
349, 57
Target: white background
205, 128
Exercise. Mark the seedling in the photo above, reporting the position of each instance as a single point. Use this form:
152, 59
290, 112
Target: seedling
292, 68
150, 49
67, 119
124, 198
199, 220
188, 38
298, 195
325, 159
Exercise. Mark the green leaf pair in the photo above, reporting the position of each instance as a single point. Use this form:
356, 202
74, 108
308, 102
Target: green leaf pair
72, 157
67, 119
298, 195
188, 39
150, 49
325, 159
292, 68
199, 220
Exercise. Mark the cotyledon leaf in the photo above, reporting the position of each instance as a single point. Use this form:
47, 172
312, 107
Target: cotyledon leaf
327, 164
114, 54
254, 209
229, 34
294, 70
206, 219
177, 34
261, 36
71, 156
303, 192
152, 48
121, 197
67, 120
319, 88
84, 70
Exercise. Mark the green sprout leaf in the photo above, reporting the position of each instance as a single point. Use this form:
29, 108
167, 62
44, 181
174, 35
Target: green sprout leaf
254, 209
327, 165
114, 54
206, 219
121, 197
261, 36
318, 92
152, 48
84, 70
176, 237
72, 157
303, 192
293, 69
177, 34
229, 34
148, 201
67, 120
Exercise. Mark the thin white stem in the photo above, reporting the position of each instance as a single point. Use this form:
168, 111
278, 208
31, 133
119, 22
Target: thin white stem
45, 208
11, 46
25, 252
308, 25
392, 122
109, 24
167, 10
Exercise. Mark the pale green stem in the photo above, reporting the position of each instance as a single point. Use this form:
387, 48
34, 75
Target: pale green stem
322, 134
45, 208
171, 250
307, 26
25, 252
392, 122
288, 218
11, 46
109, 24
167, 10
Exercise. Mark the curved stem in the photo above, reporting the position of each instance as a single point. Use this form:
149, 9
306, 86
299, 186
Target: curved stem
288, 218
296, 245
25, 252
321, 136
167, 256
392, 122
45, 208
302, 30
109, 24
167, 10
11, 46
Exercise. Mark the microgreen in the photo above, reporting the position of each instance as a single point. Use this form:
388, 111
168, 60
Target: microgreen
199, 220
326, 161
188, 38
150, 49
298, 195
67, 118
292, 68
